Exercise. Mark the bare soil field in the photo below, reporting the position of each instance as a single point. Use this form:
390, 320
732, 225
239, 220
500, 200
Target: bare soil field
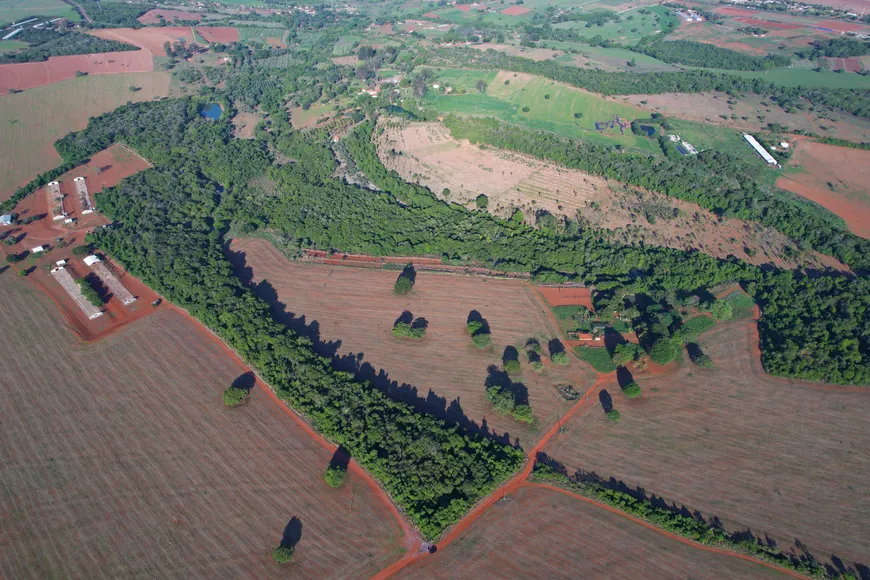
60, 68
515, 11
245, 123
841, 26
784, 459
430, 156
536, 54
566, 296
27, 134
153, 16
148, 38
221, 34
345, 60
542, 533
120, 460
837, 178
350, 313
706, 108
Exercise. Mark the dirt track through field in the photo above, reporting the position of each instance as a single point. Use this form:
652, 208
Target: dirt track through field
120, 460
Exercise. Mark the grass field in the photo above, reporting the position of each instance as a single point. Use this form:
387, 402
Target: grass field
27, 134
626, 31
782, 459
120, 460
708, 136
540, 533
345, 45
552, 106
18, 10
10, 45
302, 119
258, 34
353, 311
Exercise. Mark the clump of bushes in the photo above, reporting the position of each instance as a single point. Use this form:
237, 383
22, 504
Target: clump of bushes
335, 474
481, 339
504, 403
405, 282
479, 330
698, 357
414, 330
234, 396
663, 351
631, 390
283, 554
613, 415
560, 358
89, 293
512, 366
481, 201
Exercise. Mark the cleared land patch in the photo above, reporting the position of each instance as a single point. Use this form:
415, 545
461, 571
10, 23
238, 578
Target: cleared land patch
782, 458
27, 133
60, 68
429, 155
544, 534
351, 313
837, 178
120, 460
151, 38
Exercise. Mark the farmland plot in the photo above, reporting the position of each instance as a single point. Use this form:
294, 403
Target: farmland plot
542, 533
351, 313
430, 156
784, 459
120, 460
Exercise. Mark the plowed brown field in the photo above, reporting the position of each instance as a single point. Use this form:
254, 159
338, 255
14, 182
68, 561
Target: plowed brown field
153, 16
120, 460
431, 156
354, 311
151, 38
60, 68
540, 533
784, 459
837, 178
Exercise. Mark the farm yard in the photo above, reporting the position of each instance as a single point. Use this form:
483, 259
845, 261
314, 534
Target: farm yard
27, 134
121, 460
837, 178
557, 536
60, 68
430, 156
781, 458
351, 312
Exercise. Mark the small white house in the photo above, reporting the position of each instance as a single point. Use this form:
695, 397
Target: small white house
61, 263
91, 260
37, 250
6, 220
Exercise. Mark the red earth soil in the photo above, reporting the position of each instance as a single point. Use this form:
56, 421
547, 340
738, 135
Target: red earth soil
221, 34
851, 64
840, 26
151, 17
60, 68
768, 24
419, 263
515, 11
116, 162
857, 218
463, 7
149, 38
431, 15
726, 11
562, 296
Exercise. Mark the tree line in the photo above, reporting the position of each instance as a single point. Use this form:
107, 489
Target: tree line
45, 43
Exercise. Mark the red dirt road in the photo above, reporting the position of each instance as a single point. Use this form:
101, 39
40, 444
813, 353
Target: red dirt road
60, 68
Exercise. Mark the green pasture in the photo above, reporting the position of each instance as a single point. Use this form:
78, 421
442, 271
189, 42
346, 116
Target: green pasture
608, 58
554, 114
625, 31
345, 45
456, 16
9, 45
258, 34
795, 77
17, 10
703, 137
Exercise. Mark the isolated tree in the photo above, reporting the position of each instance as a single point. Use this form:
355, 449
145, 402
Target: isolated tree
89, 293
625, 353
512, 366
522, 413
482, 201
481, 340
613, 415
631, 390
560, 358
405, 281
283, 554
334, 475
234, 396
474, 326
481, 85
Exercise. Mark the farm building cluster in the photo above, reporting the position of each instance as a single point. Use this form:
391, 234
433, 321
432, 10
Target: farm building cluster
73, 287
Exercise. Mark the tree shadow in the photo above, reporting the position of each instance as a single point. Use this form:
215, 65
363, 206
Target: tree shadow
555, 346
341, 458
694, 350
496, 377
292, 533
510, 353
404, 318
420, 322
606, 400
245, 381
612, 339
623, 377
475, 316
101, 289
410, 273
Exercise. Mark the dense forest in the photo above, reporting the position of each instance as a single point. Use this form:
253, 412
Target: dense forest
113, 14
713, 180
693, 53
836, 48
45, 43
168, 230
602, 82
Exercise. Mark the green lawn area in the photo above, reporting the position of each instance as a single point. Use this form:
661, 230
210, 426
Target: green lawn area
554, 114
17, 10
617, 58
626, 31
793, 77
8, 45
302, 119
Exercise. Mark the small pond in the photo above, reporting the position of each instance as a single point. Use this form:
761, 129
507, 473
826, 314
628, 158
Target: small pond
212, 111
650, 131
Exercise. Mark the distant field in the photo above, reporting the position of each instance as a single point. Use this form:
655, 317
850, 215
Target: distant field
120, 460
18, 10
508, 93
793, 77
258, 34
542, 533
708, 136
626, 31
302, 119
27, 133
782, 459
9, 45
354, 309
345, 45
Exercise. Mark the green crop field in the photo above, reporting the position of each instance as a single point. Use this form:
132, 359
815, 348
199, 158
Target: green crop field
598, 357
626, 31
17, 10
345, 45
551, 106
695, 326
